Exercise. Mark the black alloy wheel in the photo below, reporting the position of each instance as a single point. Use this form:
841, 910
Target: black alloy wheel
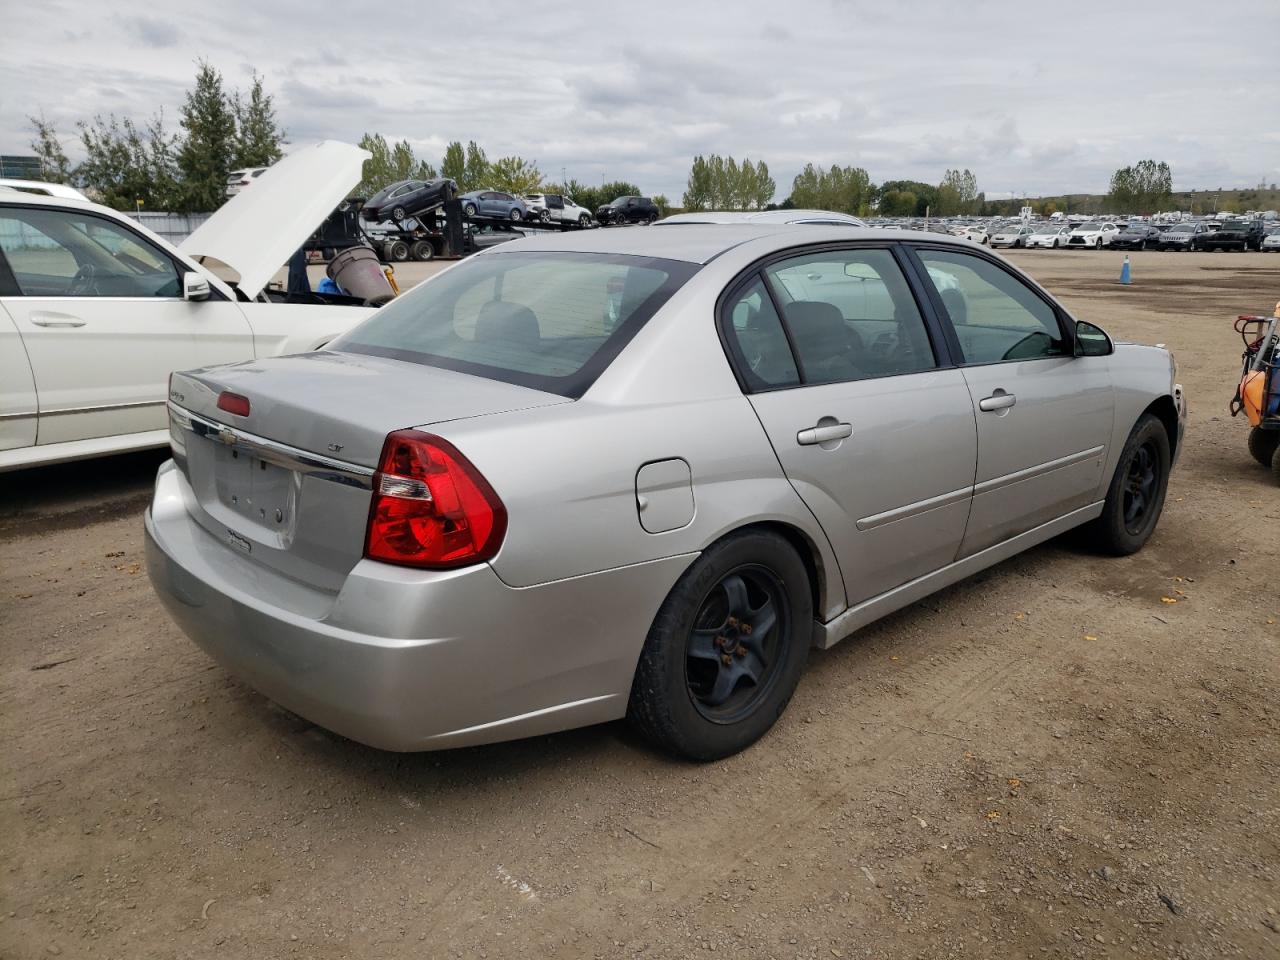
740, 635
1140, 486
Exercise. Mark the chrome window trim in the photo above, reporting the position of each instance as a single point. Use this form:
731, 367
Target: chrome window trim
291, 458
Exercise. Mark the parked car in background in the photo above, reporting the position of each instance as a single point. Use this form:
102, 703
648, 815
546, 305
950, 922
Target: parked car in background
826, 218
628, 210
1014, 235
1137, 236
1095, 233
1050, 235
41, 188
1234, 235
556, 206
448, 545
1186, 236
494, 203
404, 199
977, 232
96, 311
1271, 242
238, 180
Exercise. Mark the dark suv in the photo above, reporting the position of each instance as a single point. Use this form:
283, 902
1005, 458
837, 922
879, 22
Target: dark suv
1234, 235
628, 210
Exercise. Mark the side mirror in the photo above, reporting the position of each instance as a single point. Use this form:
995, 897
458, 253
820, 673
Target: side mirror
1092, 341
195, 286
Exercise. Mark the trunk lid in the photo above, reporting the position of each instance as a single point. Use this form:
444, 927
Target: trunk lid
257, 231
289, 485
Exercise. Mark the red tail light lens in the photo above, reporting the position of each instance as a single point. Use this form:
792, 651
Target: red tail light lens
233, 403
431, 508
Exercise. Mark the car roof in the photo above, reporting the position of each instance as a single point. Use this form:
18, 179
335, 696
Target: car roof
762, 216
702, 243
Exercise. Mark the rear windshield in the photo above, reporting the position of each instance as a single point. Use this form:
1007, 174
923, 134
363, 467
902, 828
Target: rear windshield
546, 320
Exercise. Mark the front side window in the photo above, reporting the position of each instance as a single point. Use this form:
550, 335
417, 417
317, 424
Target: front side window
61, 253
850, 315
996, 316
550, 321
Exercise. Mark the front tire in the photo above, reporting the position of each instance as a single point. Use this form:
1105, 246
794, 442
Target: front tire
584, 221
1263, 445
726, 650
1135, 498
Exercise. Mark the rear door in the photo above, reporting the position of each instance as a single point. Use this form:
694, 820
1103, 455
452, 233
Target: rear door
1044, 415
100, 312
873, 427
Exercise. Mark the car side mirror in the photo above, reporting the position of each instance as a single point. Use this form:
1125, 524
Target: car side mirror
195, 286
1092, 341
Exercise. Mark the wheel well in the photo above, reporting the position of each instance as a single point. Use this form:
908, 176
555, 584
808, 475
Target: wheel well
809, 556
1163, 409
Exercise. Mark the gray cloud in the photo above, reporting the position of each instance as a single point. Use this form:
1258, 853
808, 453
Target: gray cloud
1032, 98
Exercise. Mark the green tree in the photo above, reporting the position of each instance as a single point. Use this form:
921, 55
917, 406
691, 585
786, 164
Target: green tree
842, 189
1145, 187
388, 164
897, 203
514, 175
258, 135
697, 194
54, 166
454, 163
208, 149
124, 165
663, 204
475, 172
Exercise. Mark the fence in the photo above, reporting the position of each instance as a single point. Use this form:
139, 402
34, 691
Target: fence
174, 227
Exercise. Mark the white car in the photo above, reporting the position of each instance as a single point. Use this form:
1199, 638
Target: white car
238, 180
40, 188
1095, 234
977, 232
1013, 235
96, 310
1271, 242
555, 206
1049, 235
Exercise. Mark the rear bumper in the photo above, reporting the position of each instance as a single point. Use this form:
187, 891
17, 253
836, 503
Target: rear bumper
403, 659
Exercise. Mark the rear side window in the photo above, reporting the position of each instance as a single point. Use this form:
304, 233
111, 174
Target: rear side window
996, 316
755, 334
550, 321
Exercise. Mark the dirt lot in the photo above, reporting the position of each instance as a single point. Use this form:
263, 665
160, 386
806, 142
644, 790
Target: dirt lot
1050, 759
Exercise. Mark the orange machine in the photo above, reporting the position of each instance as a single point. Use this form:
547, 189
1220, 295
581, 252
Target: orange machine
1258, 393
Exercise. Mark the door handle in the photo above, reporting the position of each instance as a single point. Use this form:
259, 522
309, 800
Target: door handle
824, 434
997, 401
56, 320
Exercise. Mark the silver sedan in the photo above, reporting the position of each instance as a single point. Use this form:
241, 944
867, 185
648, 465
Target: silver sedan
640, 473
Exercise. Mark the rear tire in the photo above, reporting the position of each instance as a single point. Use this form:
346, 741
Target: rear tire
1135, 498
1263, 445
584, 221
1275, 465
398, 251
422, 250
470, 209
713, 677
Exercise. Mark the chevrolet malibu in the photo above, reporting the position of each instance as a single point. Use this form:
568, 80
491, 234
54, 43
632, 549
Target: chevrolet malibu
640, 473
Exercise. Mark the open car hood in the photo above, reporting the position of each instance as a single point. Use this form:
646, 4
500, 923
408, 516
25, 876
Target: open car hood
260, 228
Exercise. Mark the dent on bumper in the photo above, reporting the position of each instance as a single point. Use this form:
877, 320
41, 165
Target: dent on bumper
403, 659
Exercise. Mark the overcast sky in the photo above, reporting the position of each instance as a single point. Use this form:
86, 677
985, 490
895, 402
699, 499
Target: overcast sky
1034, 98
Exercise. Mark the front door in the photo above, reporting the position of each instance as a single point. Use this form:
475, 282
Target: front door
101, 315
1044, 416
874, 435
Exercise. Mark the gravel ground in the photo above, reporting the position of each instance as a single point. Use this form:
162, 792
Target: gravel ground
1049, 759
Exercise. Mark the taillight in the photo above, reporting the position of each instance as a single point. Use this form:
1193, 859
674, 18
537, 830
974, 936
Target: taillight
431, 508
233, 403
